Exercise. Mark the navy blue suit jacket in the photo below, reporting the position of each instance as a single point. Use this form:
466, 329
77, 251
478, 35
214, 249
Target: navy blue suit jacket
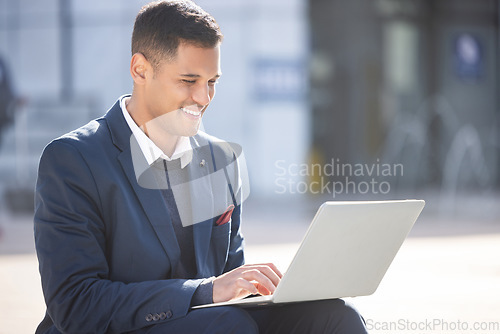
106, 246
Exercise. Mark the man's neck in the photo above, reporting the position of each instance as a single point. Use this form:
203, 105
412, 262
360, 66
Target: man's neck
165, 141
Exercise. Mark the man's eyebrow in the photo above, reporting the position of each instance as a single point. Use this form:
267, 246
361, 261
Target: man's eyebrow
197, 75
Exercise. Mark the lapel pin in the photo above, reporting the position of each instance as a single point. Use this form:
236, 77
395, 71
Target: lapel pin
202, 163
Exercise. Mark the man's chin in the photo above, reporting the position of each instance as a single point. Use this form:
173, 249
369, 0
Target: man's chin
193, 132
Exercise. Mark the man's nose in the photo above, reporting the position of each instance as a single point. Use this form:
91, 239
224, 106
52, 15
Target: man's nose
201, 95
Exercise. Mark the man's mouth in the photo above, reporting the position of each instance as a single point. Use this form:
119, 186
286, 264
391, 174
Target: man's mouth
193, 113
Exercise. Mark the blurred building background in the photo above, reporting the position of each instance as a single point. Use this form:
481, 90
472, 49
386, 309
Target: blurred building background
411, 83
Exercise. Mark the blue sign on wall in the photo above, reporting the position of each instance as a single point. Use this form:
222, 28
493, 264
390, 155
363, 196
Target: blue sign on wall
279, 80
468, 57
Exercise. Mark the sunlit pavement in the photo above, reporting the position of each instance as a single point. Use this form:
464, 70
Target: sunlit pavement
445, 279
434, 284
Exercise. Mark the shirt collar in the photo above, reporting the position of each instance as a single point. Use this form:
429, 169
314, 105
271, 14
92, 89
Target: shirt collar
183, 149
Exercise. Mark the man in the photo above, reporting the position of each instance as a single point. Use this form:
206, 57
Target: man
118, 250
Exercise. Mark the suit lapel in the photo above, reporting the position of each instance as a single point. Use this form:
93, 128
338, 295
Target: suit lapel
150, 198
155, 209
200, 169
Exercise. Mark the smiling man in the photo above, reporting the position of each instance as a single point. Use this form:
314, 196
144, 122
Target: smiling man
124, 249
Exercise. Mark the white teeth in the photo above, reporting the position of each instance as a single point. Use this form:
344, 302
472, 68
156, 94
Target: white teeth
191, 112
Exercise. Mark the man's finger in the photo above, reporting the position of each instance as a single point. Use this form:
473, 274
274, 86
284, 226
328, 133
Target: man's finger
268, 271
261, 289
271, 266
275, 269
246, 285
257, 275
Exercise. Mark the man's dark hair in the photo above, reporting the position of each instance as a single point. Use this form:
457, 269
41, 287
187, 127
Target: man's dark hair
162, 25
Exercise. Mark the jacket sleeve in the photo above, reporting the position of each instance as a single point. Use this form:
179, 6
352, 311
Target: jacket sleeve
71, 247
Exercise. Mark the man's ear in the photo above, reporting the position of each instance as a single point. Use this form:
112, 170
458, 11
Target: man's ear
139, 68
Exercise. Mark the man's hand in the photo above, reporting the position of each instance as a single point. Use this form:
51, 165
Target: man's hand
246, 280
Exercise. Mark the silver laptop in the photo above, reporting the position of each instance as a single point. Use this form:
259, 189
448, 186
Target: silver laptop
345, 253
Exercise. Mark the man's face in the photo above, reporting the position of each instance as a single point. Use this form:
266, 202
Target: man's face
180, 91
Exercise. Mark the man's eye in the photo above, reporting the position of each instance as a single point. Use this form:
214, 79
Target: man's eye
188, 81
213, 82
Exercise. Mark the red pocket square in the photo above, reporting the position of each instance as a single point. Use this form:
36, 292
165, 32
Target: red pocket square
226, 216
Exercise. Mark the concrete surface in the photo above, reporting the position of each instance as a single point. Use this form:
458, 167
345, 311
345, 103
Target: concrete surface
445, 279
